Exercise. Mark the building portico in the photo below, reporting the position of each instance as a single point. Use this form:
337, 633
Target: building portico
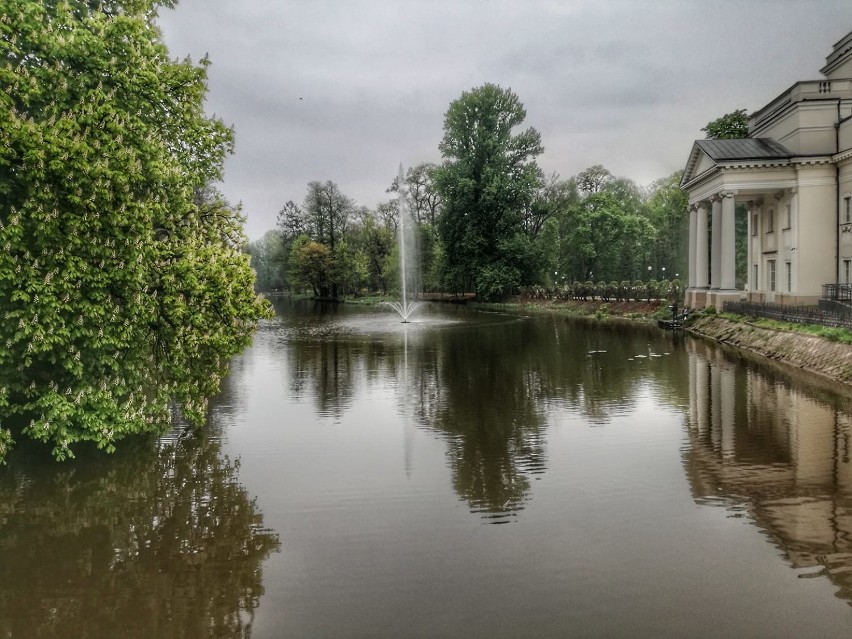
793, 178
712, 281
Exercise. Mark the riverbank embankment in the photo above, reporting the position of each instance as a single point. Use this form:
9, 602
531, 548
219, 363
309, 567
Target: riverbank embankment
642, 310
831, 360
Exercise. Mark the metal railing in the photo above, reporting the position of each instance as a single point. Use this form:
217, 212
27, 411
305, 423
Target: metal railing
837, 292
792, 314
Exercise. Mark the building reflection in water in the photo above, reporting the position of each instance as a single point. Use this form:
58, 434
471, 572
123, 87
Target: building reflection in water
758, 443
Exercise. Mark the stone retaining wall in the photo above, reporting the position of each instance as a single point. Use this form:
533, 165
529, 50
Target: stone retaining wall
814, 354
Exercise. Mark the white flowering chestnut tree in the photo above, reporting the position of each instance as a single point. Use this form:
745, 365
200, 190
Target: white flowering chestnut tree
124, 291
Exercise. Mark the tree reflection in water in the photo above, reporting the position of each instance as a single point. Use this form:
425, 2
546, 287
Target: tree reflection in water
498, 395
481, 386
493, 420
159, 540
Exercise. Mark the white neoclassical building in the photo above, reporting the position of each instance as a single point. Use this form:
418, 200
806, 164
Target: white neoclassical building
794, 174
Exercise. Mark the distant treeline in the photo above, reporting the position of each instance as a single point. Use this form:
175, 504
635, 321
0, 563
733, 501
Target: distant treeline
488, 220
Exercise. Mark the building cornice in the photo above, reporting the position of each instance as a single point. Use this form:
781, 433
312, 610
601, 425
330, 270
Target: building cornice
839, 54
763, 181
842, 157
772, 166
750, 165
798, 96
823, 160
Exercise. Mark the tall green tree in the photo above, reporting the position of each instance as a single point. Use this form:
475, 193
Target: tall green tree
627, 193
423, 198
603, 241
327, 211
271, 262
487, 179
291, 222
730, 126
594, 179
312, 264
123, 286
667, 212
553, 197
269, 259
374, 237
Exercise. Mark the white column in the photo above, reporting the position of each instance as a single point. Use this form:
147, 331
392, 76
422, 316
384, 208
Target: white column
693, 215
702, 279
716, 405
794, 239
750, 233
755, 245
716, 243
702, 392
727, 391
693, 363
728, 269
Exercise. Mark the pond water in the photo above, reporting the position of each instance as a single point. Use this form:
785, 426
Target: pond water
469, 474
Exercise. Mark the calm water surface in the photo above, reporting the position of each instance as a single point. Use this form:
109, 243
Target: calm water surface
467, 475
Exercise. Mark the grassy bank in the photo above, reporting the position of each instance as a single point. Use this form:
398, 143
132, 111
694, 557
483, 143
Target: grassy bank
791, 344
838, 335
647, 311
832, 334
644, 311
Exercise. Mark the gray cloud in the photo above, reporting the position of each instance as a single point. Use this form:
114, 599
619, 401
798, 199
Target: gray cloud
346, 89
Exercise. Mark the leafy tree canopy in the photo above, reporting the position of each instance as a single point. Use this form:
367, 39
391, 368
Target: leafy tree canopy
268, 257
730, 126
604, 241
594, 179
552, 198
487, 181
123, 286
424, 200
312, 264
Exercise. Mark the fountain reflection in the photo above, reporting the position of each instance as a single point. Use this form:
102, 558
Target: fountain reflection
469, 377
757, 443
158, 540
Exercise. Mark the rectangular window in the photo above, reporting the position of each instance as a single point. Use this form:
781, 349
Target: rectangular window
788, 273
770, 275
847, 271
754, 225
754, 280
788, 220
847, 209
770, 222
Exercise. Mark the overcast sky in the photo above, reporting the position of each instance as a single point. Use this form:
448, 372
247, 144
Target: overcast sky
345, 90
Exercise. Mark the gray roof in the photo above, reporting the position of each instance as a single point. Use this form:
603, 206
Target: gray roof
744, 149
721, 151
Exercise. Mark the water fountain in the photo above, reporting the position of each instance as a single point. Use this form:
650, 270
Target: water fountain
406, 236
